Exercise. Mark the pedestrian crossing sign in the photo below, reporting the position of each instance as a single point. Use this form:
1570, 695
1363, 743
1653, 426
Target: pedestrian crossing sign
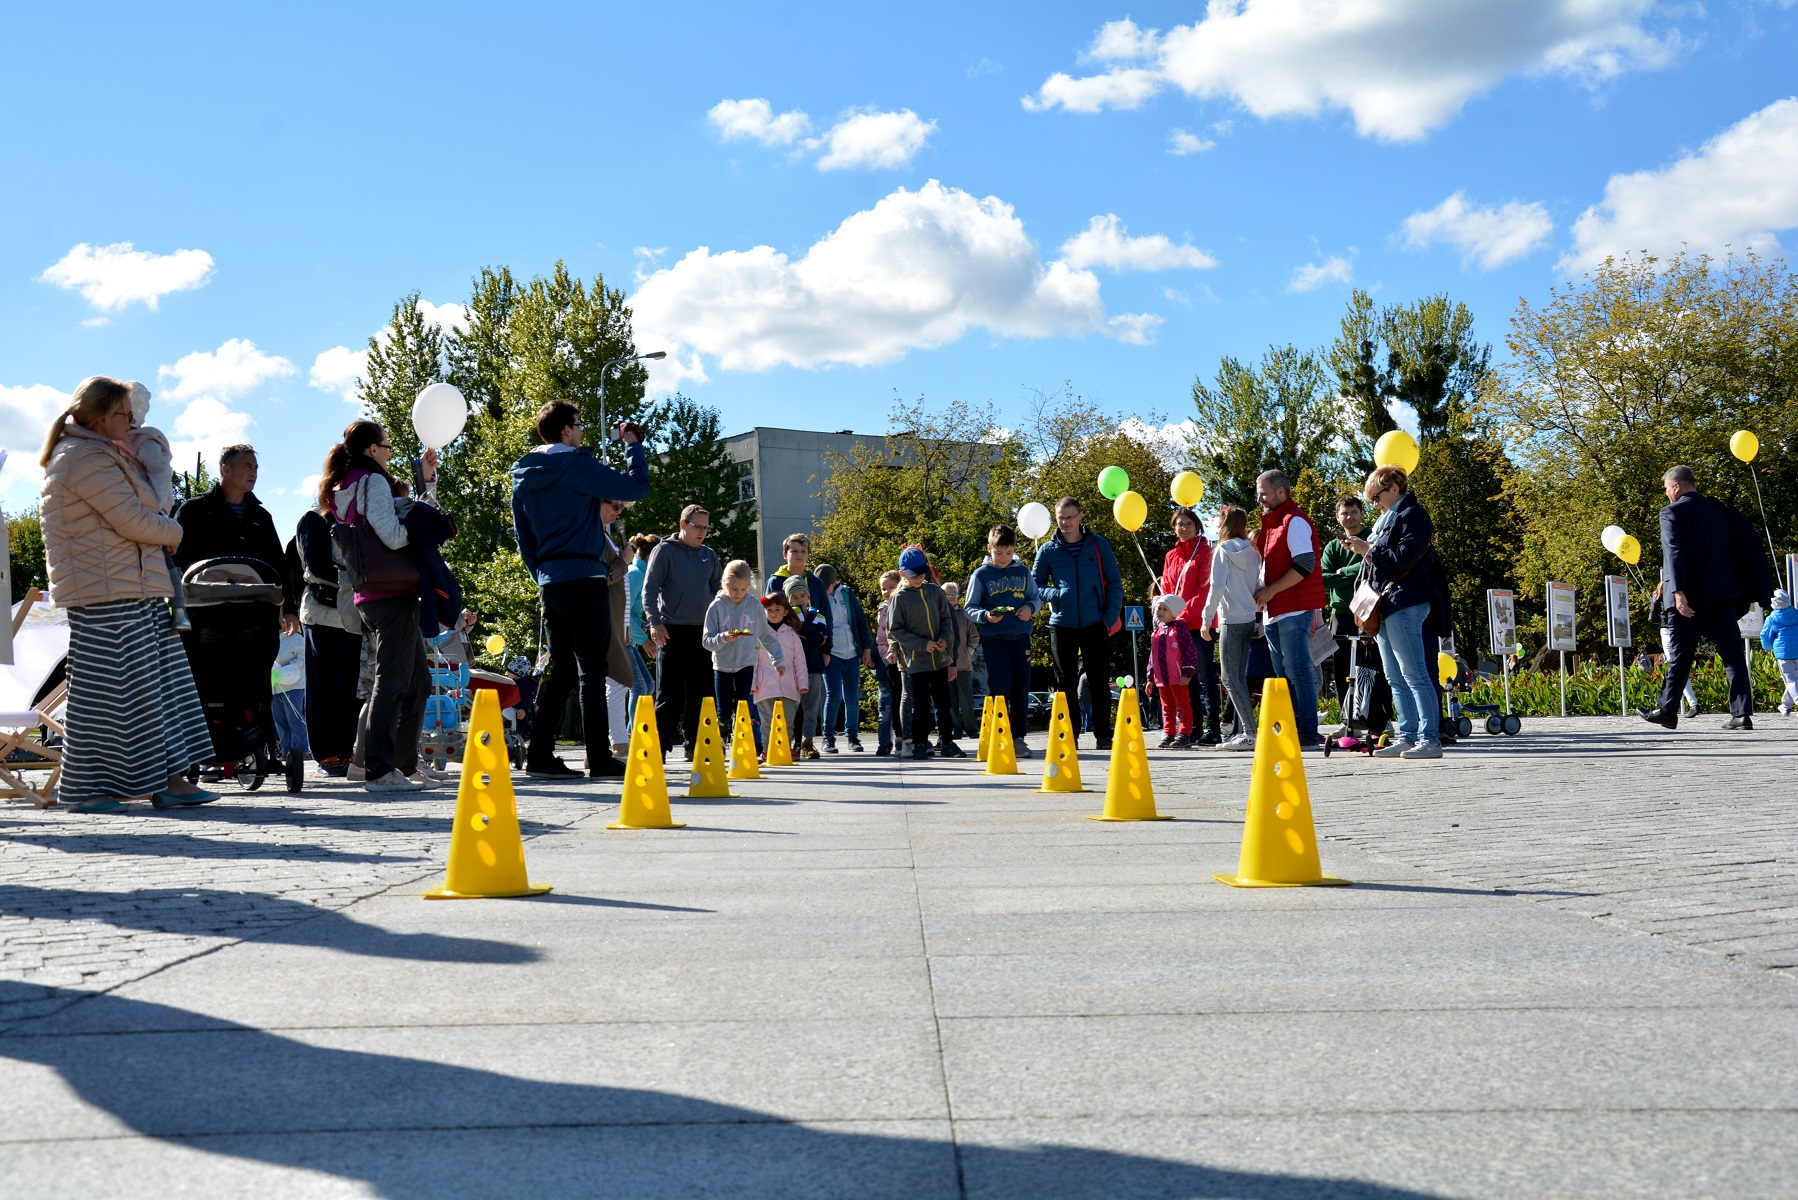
1133, 616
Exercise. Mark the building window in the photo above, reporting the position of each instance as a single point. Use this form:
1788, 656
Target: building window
745, 481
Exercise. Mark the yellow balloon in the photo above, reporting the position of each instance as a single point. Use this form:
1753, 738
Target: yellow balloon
1446, 670
1130, 510
1396, 448
1744, 445
496, 644
1629, 550
1187, 489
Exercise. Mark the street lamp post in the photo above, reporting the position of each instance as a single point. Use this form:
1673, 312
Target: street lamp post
605, 369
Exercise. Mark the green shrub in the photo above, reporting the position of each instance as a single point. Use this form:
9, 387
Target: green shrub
1592, 690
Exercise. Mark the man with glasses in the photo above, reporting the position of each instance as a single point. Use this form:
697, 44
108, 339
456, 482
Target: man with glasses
683, 577
562, 499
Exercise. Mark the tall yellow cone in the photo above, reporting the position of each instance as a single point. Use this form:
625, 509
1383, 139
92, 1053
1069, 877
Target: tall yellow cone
1279, 842
780, 750
986, 728
486, 855
1061, 760
708, 782
1001, 755
644, 804
1129, 796
742, 746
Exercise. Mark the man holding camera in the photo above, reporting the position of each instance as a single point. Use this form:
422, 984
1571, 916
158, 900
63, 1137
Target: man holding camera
558, 493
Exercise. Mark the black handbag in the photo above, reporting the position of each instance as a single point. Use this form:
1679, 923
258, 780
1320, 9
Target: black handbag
372, 565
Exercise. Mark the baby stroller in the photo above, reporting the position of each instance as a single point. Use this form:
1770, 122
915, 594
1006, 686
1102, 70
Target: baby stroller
445, 729
235, 606
1367, 710
514, 689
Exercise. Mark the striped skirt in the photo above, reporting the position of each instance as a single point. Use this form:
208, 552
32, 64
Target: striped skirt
134, 716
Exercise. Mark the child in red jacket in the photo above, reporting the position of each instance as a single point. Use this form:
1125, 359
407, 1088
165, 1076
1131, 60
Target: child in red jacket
1173, 660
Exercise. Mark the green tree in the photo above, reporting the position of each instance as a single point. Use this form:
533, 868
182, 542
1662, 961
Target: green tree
403, 359
1362, 380
187, 485
25, 543
689, 464
1283, 412
1640, 364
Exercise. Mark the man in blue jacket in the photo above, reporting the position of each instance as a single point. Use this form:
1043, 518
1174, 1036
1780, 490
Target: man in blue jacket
559, 494
1077, 576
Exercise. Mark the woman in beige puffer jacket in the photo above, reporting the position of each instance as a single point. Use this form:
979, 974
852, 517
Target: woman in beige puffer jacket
134, 720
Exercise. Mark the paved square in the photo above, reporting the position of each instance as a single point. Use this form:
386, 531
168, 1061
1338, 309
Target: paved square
1567, 968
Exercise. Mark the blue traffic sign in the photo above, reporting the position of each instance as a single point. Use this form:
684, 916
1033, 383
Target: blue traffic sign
1133, 616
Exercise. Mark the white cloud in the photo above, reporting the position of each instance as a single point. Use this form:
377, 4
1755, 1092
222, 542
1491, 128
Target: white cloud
1312, 276
112, 277
341, 370
917, 270
1736, 190
1172, 441
1180, 142
447, 317
875, 140
1490, 236
755, 120
1106, 243
1400, 67
233, 369
25, 416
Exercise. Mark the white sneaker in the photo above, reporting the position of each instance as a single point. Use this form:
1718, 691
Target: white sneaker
422, 780
393, 781
1786, 708
1396, 748
433, 774
1242, 741
1424, 749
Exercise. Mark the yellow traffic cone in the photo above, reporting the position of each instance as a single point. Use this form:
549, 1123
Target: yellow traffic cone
644, 804
1129, 796
742, 746
1061, 759
1001, 755
1279, 842
780, 750
708, 781
986, 728
486, 855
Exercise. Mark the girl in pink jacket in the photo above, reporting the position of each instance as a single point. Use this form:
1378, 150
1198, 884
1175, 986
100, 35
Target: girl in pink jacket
780, 683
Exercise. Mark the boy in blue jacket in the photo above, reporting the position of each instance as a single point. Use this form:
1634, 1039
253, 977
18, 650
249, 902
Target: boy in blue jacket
562, 499
1779, 637
1002, 602
1077, 575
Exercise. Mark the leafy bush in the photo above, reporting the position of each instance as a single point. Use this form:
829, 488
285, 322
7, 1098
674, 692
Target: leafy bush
1592, 690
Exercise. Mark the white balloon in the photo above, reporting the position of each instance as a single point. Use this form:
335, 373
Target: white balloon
439, 414
1612, 537
1034, 520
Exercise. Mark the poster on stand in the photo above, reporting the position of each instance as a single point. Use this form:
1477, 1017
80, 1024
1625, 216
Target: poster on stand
1750, 622
1616, 610
1501, 611
1560, 617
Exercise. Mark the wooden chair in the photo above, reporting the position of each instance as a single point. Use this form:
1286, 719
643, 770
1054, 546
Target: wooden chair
27, 722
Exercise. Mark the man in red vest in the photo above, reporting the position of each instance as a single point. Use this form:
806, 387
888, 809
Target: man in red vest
1291, 594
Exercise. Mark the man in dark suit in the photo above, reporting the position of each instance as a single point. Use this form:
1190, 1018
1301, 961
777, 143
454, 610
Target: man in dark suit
1699, 544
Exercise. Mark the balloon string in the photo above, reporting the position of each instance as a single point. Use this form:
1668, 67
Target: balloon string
1766, 530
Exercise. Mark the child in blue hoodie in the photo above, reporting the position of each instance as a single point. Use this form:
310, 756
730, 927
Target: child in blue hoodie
1779, 636
1002, 602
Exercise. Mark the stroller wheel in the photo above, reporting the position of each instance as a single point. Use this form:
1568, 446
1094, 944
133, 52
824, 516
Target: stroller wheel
1464, 726
253, 770
296, 772
1513, 724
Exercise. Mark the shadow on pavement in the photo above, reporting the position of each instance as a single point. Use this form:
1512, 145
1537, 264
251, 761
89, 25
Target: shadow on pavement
409, 1128
202, 912
187, 845
1455, 891
604, 902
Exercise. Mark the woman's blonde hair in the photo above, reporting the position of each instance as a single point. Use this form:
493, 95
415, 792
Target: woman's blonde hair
736, 568
96, 398
1385, 477
1233, 522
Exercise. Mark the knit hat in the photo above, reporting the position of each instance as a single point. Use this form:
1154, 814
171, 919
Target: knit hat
1175, 605
797, 584
913, 562
827, 575
1782, 599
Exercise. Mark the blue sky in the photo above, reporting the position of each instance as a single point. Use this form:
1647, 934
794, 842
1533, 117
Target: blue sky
963, 201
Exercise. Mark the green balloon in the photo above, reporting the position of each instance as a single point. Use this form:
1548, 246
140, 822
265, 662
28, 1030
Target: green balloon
1113, 482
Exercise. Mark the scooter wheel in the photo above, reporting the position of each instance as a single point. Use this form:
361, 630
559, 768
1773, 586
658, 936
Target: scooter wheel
1464, 726
1329, 745
1495, 725
1513, 724
296, 772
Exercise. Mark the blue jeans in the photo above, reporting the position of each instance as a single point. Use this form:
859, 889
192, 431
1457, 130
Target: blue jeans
644, 684
730, 687
1008, 675
843, 699
1406, 662
1289, 642
885, 676
289, 712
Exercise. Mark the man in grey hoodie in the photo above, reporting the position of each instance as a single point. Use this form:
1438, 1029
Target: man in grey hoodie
683, 576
